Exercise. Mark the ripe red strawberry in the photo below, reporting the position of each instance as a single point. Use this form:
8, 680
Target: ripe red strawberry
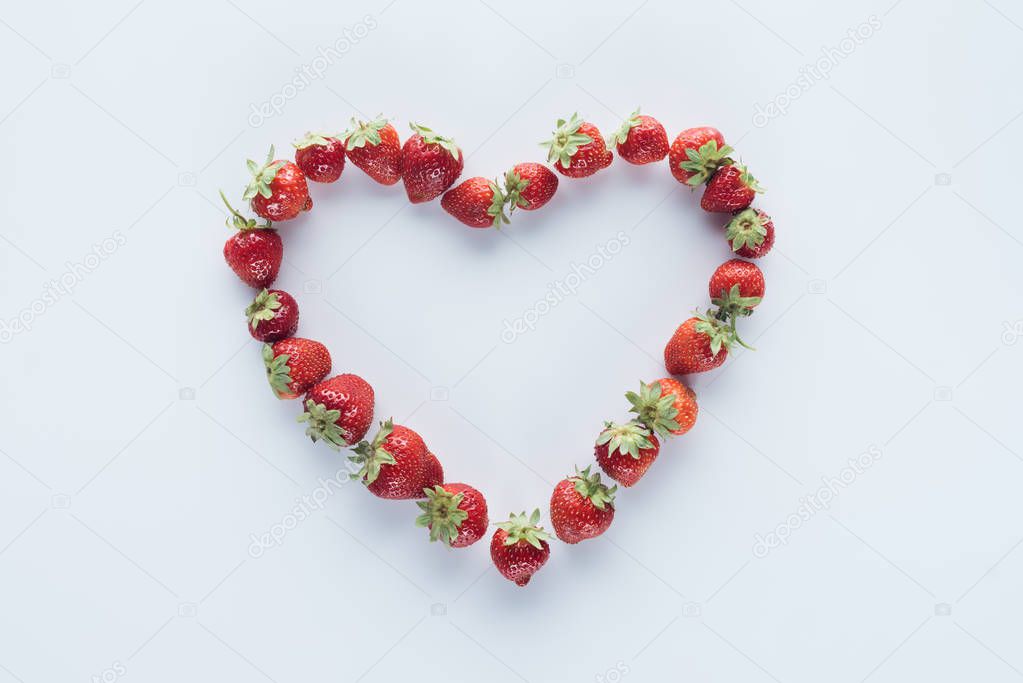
455, 514
272, 315
519, 547
321, 157
665, 406
625, 452
750, 233
392, 464
433, 471
582, 507
278, 190
736, 287
641, 139
529, 186
374, 147
699, 344
255, 251
294, 365
577, 149
338, 410
730, 189
476, 202
430, 164
696, 153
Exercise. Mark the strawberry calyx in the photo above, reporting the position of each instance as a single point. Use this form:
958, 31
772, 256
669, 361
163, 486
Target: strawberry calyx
322, 425
733, 305
719, 326
566, 141
278, 372
655, 412
432, 138
748, 228
262, 176
240, 222
311, 139
622, 134
514, 186
627, 439
263, 307
371, 455
522, 528
702, 162
749, 181
590, 487
364, 133
441, 514
497, 204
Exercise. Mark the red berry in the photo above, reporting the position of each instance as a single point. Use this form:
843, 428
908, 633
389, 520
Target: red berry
626, 452
582, 507
255, 252
529, 186
476, 202
665, 406
321, 157
433, 471
294, 365
519, 547
374, 147
430, 164
392, 464
455, 514
278, 190
699, 344
338, 410
272, 315
577, 149
641, 139
737, 287
730, 189
696, 153
750, 233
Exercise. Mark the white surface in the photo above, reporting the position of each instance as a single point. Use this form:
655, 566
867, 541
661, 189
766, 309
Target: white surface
126, 512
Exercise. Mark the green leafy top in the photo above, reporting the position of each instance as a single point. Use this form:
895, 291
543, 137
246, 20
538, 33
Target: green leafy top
431, 138
322, 424
590, 487
746, 229
514, 186
262, 176
622, 134
732, 304
522, 528
749, 181
278, 373
656, 412
566, 141
240, 222
720, 327
704, 161
362, 133
441, 513
311, 139
627, 439
371, 455
263, 307
497, 204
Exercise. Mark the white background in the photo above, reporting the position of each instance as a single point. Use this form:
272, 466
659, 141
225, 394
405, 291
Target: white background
141, 446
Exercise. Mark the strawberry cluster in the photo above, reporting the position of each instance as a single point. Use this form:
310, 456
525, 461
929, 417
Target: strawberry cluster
396, 463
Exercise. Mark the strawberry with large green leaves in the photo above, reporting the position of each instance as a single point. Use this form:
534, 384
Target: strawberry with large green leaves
278, 190
392, 465
430, 164
529, 186
519, 547
339, 410
272, 315
577, 149
374, 147
255, 251
476, 202
455, 513
625, 452
731, 188
665, 406
750, 233
701, 343
294, 365
582, 507
696, 153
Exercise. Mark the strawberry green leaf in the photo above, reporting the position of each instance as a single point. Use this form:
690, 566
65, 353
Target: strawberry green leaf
364, 133
321, 424
566, 141
656, 412
262, 176
704, 161
263, 307
278, 373
240, 222
628, 439
622, 134
746, 229
522, 528
372, 455
441, 514
590, 487
431, 138
311, 139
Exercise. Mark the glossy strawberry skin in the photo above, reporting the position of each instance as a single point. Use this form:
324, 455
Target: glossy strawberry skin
255, 256
433, 471
646, 143
726, 192
574, 517
688, 351
403, 480
589, 158
469, 201
474, 527
542, 185
283, 324
308, 363
737, 272
517, 562
322, 163
380, 162
428, 169
623, 468
684, 403
691, 138
289, 195
748, 251
353, 397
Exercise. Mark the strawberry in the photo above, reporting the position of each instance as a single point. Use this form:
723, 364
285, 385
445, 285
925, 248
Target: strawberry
736, 287
529, 186
477, 202
582, 507
278, 190
699, 344
665, 406
750, 233
272, 315
321, 157
696, 153
374, 147
577, 148
641, 139
254, 252
519, 547
433, 471
294, 365
455, 514
338, 410
430, 164
392, 464
626, 452
730, 189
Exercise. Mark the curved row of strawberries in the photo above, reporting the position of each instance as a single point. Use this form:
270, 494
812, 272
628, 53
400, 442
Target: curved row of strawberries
396, 463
